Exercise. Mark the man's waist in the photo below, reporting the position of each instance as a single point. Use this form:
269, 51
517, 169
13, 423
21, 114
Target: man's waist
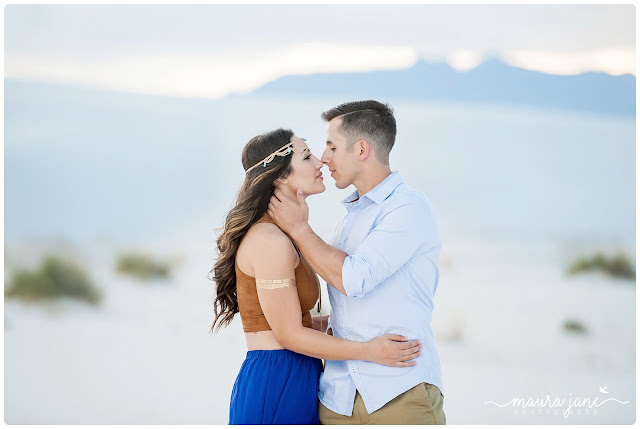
428, 362
369, 317
378, 383
423, 332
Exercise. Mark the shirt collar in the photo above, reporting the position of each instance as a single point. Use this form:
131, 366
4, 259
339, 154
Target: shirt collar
381, 191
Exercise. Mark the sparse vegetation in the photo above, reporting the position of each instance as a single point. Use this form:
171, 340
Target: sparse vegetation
574, 326
618, 265
452, 328
142, 266
55, 279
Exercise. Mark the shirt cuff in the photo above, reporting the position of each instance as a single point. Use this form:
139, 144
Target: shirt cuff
352, 280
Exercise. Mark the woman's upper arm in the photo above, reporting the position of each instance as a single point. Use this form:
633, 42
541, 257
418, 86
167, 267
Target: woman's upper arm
274, 258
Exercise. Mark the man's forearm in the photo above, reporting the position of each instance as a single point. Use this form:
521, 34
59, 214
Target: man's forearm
326, 260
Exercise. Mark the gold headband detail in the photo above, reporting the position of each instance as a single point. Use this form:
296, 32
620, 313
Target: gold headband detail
283, 151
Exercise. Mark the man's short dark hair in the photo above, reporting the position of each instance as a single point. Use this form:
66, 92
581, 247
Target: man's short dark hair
367, 120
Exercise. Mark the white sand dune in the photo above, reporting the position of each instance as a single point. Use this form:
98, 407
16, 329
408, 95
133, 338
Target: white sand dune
146, 357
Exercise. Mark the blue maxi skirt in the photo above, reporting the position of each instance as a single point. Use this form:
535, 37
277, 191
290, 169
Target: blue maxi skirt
276, 387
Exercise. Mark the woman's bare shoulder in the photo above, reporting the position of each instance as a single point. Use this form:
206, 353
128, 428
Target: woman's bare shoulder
265, 244
264, 233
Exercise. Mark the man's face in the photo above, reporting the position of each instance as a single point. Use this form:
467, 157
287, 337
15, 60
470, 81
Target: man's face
342, 162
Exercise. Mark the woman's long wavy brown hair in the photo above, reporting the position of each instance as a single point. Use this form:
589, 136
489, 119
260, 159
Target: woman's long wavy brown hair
251, 204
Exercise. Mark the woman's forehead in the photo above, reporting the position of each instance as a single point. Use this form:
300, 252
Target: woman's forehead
298, 144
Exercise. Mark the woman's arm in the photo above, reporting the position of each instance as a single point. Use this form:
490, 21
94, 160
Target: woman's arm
390, 350
273, 258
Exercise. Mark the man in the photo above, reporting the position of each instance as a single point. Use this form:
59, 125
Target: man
381, 270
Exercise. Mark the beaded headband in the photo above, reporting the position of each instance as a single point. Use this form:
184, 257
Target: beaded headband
283, 151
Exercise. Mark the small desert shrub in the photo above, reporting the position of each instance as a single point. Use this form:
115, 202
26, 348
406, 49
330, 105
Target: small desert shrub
142, 266
574, 326
55, 279
616, 266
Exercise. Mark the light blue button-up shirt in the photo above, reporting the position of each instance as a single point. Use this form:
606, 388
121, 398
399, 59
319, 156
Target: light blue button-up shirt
390, 276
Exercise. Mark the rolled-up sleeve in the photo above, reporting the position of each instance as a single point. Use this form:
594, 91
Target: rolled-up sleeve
396, 237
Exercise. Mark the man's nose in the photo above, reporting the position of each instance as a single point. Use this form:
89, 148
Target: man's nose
325, 158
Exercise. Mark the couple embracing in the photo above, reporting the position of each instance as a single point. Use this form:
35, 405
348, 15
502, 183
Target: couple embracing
381, 269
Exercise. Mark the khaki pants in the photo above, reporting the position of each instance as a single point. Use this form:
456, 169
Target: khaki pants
420, 405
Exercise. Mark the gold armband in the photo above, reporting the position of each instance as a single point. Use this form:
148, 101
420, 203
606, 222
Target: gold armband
275, 284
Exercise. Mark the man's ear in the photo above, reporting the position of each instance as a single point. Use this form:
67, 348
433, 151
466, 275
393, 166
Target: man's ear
364, 149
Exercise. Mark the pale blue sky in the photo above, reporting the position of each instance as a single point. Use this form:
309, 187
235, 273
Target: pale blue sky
211, 50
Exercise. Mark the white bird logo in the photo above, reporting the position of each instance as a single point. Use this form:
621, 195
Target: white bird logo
603, 389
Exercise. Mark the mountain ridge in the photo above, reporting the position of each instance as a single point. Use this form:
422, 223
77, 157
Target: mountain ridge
492, 81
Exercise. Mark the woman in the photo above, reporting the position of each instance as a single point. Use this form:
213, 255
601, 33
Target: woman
261, 275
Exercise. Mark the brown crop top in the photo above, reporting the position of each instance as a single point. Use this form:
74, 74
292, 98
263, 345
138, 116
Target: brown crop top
251, 314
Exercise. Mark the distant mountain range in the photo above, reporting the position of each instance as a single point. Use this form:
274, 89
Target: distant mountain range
99, 166
491, 82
